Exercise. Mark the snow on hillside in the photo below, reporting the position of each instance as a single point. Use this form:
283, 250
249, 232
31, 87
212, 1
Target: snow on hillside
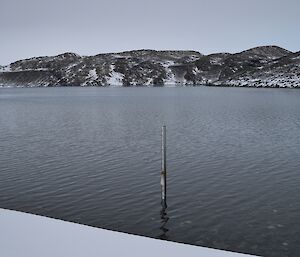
5, 68
115, 78
266, 66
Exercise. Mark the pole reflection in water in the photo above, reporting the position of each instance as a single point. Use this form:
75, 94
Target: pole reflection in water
163, 220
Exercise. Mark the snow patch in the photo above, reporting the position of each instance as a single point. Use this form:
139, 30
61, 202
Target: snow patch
6, 68
149, 82
268, 81
92, 75
171, 79
195, 70
167, 64
296, 58
115, 78
216, 61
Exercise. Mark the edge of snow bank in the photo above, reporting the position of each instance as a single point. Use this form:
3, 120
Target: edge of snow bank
29, 235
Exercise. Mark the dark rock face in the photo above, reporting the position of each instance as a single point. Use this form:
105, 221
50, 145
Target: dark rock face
267, 66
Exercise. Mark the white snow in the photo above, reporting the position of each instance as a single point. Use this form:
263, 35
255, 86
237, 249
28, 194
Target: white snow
296, 58
171, 80
195, 70
68, 70
8, 69
5, 68
92, 75
270, 80
115, 78
216, 61
149, 82
27, 235
167, 64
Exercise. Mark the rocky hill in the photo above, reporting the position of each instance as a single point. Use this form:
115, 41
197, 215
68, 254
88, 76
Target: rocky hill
268, 66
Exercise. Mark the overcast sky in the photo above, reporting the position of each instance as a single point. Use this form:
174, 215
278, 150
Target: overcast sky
38, 27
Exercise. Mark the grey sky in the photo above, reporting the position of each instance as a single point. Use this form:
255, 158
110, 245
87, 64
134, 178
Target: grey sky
39, 27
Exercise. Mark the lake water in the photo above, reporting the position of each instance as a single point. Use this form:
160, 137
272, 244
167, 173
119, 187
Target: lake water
92, 156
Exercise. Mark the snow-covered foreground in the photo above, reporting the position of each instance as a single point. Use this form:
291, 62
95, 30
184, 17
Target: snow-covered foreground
27, 235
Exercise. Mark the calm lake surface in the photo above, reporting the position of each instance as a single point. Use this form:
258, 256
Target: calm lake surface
92, 156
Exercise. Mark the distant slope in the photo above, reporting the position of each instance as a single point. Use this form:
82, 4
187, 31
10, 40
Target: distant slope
266, 66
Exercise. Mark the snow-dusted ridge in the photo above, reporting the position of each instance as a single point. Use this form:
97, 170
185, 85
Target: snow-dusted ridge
266, 66
27, 235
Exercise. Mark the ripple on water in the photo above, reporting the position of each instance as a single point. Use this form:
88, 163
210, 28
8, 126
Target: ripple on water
93, 156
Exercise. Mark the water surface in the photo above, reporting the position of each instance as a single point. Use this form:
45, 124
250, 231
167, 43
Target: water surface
92, 155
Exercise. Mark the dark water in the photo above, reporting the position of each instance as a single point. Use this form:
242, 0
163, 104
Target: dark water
92, 155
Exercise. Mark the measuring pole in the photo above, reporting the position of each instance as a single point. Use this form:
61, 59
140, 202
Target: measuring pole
163, 177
